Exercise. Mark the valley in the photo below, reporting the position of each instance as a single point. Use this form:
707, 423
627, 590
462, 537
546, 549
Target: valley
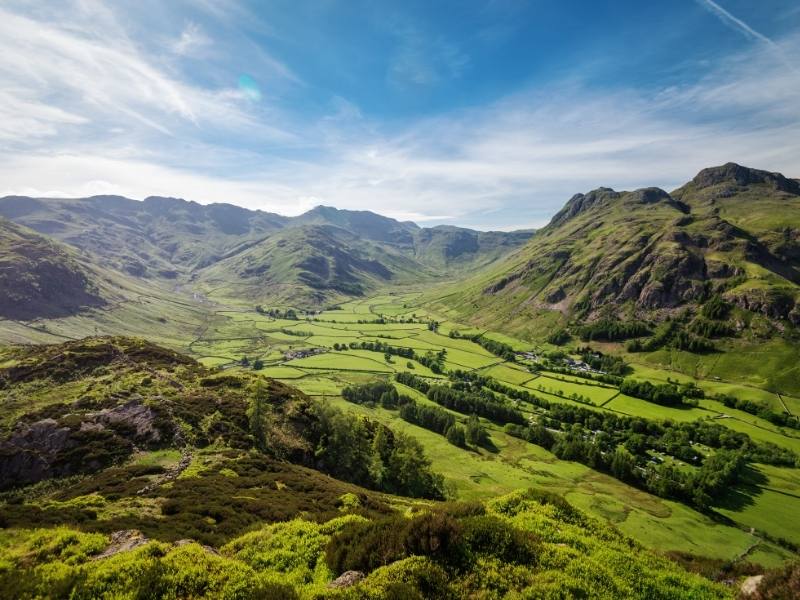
345, 363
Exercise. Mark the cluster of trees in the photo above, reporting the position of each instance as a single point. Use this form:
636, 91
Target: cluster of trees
630, 462
761, 410
590, 378
257, 364
434, 361
296, 333
376, 392
500, 349
412, 381
716, 308
369, 454
683, 340
484, 404
608, 330
666, 394
432, 418
558, 337
611, 365
277, 313
382, 347
710, 329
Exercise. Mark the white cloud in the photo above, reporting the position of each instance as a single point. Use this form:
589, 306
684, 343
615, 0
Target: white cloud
82, 112
192, 40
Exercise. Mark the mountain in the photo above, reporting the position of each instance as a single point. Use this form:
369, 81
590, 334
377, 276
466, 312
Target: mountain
308, 266
40, 278
157, 237
730, 236
322, 255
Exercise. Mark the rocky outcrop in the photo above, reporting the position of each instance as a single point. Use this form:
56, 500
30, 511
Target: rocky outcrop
734, 174
75, 443
346, 579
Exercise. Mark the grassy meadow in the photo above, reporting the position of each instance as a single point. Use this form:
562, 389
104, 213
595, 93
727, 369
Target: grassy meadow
312, 353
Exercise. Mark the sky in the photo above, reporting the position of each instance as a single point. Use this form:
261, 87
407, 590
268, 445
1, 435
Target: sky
488, 114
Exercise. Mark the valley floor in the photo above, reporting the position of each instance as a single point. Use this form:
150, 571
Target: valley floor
313, 353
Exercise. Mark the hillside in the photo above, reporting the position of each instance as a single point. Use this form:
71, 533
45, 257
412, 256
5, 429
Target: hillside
40, 278
319, 257
717, 259
309, 266
159, 474
157, 237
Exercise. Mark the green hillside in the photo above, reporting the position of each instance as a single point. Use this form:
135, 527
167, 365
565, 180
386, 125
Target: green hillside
319, 257
158, 476
40, 278
684, 280
596, 409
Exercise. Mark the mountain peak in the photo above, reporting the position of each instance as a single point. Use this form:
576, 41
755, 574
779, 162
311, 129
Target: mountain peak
740, 175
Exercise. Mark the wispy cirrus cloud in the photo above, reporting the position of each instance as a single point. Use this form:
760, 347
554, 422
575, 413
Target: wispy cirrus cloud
734, 22
85, 110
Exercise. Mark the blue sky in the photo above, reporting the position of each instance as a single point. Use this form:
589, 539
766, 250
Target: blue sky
488, 114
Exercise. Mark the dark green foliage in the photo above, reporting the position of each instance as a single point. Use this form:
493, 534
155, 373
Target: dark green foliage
485, 404
761, 410
683, 340
715, 308
372, 455
367, 546
611, 365
665, 394
476, 433
710, 329
612, 331
558, 337
413, 381
491, 536
456, 436
429, 417
500, 349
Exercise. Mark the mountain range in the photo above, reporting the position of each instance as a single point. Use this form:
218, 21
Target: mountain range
319, 257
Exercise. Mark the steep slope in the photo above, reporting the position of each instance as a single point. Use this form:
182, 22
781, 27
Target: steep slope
309, 266
40, 278
158, 237
307, 259
730, 235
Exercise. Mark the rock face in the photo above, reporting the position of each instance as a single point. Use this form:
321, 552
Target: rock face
75, 443
731, 231
123, 541
346, 579
742, 176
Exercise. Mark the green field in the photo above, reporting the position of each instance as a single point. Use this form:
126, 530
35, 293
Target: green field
226, 336
222, 337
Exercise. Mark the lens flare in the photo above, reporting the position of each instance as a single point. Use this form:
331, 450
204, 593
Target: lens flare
249, 87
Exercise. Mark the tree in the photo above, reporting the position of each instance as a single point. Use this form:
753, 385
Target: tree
476, 434
245, 362
257, 413
258, 364
456, 436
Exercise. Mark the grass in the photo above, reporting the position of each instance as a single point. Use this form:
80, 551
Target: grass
222, 336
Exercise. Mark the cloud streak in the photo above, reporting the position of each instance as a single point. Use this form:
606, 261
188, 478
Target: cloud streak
84, 110
734, 22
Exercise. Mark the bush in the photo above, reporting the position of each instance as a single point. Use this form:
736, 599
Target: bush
495, 537
367, 546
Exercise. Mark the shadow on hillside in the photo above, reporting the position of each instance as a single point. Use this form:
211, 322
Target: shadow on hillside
744, 494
